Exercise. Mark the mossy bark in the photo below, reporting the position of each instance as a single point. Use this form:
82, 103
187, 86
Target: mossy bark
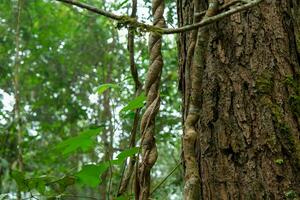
248, 130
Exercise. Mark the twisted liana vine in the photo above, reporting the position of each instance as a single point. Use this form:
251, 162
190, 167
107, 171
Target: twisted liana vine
192, 188
149, 150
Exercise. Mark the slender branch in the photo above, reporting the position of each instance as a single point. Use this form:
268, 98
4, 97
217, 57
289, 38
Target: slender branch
61, 195
16, 83
126, 175
110, 179
124, 19
78, 196
16, 87
131, 34
164, 180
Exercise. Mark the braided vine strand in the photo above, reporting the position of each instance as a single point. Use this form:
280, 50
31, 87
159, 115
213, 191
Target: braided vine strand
149, 149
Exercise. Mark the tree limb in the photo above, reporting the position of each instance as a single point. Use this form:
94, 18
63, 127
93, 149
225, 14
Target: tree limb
127, 20
16, 84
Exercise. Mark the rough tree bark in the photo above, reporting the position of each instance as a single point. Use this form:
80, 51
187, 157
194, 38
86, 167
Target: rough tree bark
247, 105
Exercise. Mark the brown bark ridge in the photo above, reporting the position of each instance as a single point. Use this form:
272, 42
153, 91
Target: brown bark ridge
246, 135
148, 146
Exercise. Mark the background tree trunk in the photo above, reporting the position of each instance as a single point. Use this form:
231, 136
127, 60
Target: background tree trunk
249, 126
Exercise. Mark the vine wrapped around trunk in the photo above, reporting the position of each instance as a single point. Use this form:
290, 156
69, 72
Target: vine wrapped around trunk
192, 177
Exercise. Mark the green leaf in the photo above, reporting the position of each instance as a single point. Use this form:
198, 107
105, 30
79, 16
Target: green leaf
37, 183
128, 153
83, 141
116, 162
138, 102
19, 177
90, 174
129, 115
123, 155
121, 198
104, 87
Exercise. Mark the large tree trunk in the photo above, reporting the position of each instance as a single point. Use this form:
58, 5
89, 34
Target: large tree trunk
248, 130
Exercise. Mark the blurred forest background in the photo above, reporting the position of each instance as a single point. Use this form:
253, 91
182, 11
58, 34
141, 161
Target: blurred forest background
76, 102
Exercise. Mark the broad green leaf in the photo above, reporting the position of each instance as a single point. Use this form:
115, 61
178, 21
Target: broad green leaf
104, 87
138, 102
90, 174
116, 162
128, 153
84, 141
123, 155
